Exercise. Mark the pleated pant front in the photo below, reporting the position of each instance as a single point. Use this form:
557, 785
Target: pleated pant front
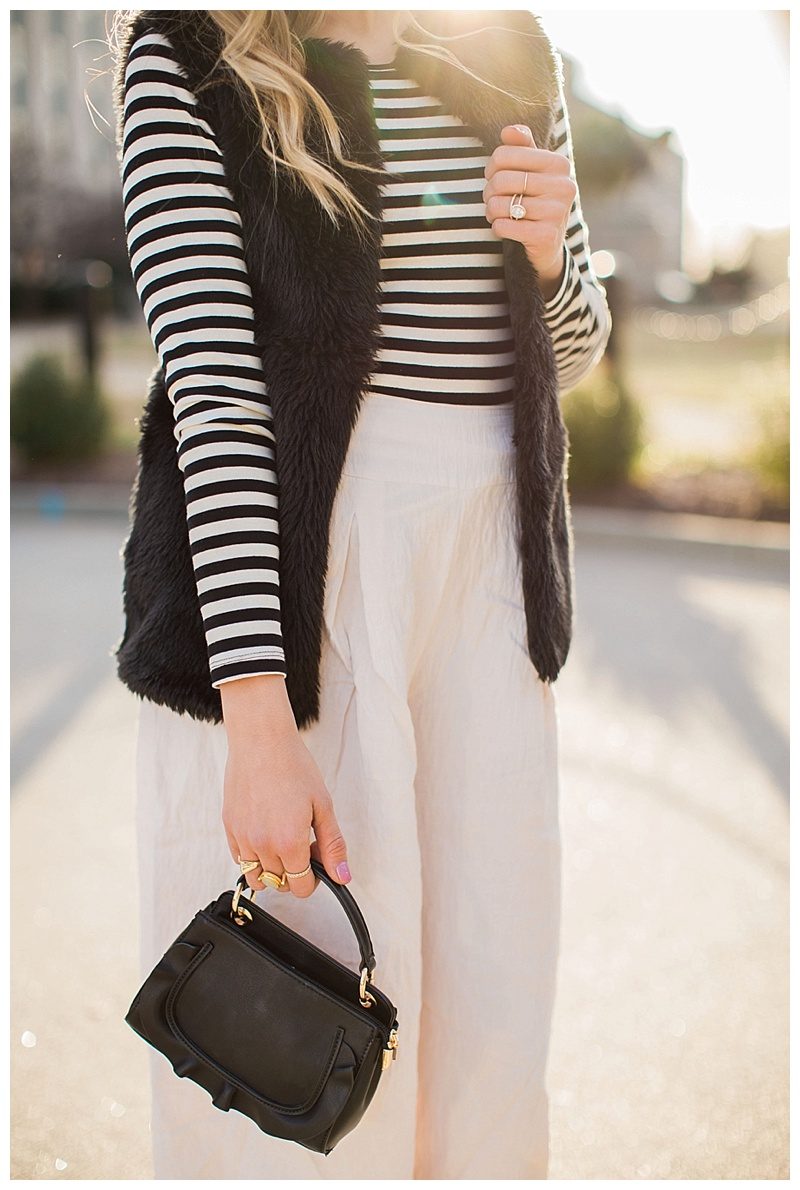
438, 743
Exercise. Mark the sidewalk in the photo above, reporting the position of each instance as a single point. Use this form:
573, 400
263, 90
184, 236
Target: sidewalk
670, 1042
663, 530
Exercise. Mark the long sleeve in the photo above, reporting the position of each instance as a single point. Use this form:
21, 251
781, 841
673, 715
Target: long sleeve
184, 238
577, 315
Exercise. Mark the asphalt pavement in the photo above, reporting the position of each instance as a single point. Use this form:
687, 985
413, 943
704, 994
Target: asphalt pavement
670, 1045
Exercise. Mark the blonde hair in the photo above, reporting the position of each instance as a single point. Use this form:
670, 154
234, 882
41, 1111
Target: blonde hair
264, 51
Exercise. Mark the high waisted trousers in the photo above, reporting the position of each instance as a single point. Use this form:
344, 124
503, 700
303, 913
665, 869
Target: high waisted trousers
438, 743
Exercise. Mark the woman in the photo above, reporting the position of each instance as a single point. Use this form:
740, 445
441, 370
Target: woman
358, 244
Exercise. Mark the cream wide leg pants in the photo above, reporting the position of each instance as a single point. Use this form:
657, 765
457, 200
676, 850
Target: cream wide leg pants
438, 742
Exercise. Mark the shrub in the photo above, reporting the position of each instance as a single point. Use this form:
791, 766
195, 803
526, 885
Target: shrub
770, 454
604, 424
55, 417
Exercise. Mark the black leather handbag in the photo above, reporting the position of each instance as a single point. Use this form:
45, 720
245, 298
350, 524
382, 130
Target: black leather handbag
269, 1024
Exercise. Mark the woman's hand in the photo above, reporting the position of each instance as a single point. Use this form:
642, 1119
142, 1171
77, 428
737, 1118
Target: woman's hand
549, 194
273, 790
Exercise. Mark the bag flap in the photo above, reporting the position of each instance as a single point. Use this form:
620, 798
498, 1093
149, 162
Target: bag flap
250, 1018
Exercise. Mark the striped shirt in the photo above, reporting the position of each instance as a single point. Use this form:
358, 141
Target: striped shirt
446, 330
184, 237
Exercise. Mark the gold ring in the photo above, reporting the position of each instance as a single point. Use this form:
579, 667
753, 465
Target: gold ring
272, 878
247, 865
297, 875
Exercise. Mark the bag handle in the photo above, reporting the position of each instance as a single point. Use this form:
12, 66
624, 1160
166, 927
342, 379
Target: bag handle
354, 915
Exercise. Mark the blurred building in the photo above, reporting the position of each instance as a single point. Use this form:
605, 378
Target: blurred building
768, 257
632, 191
65, 200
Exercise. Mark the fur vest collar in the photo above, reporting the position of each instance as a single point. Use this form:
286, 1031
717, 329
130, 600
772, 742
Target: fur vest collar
316, 293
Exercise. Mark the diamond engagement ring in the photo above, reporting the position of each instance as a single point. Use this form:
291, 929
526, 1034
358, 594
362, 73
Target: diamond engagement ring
517, 209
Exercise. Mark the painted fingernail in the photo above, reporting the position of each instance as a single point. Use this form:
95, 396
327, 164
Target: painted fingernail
342, 871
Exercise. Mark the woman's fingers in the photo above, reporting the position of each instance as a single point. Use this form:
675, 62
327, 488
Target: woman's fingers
280, 857
298, 857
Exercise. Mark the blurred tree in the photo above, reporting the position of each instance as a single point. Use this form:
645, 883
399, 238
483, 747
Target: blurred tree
28, 221
604, 424
608, 153
724, 286
771, 448
55, 417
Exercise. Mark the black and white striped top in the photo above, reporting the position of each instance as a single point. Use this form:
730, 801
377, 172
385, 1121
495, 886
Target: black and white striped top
445, 324
446, 330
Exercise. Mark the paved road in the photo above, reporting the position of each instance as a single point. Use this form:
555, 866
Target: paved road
669, 1052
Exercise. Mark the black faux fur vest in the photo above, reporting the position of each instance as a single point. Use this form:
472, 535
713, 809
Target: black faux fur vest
316, 293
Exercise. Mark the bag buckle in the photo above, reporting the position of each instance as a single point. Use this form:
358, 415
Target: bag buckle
366, 997
390, 1050
238, 912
